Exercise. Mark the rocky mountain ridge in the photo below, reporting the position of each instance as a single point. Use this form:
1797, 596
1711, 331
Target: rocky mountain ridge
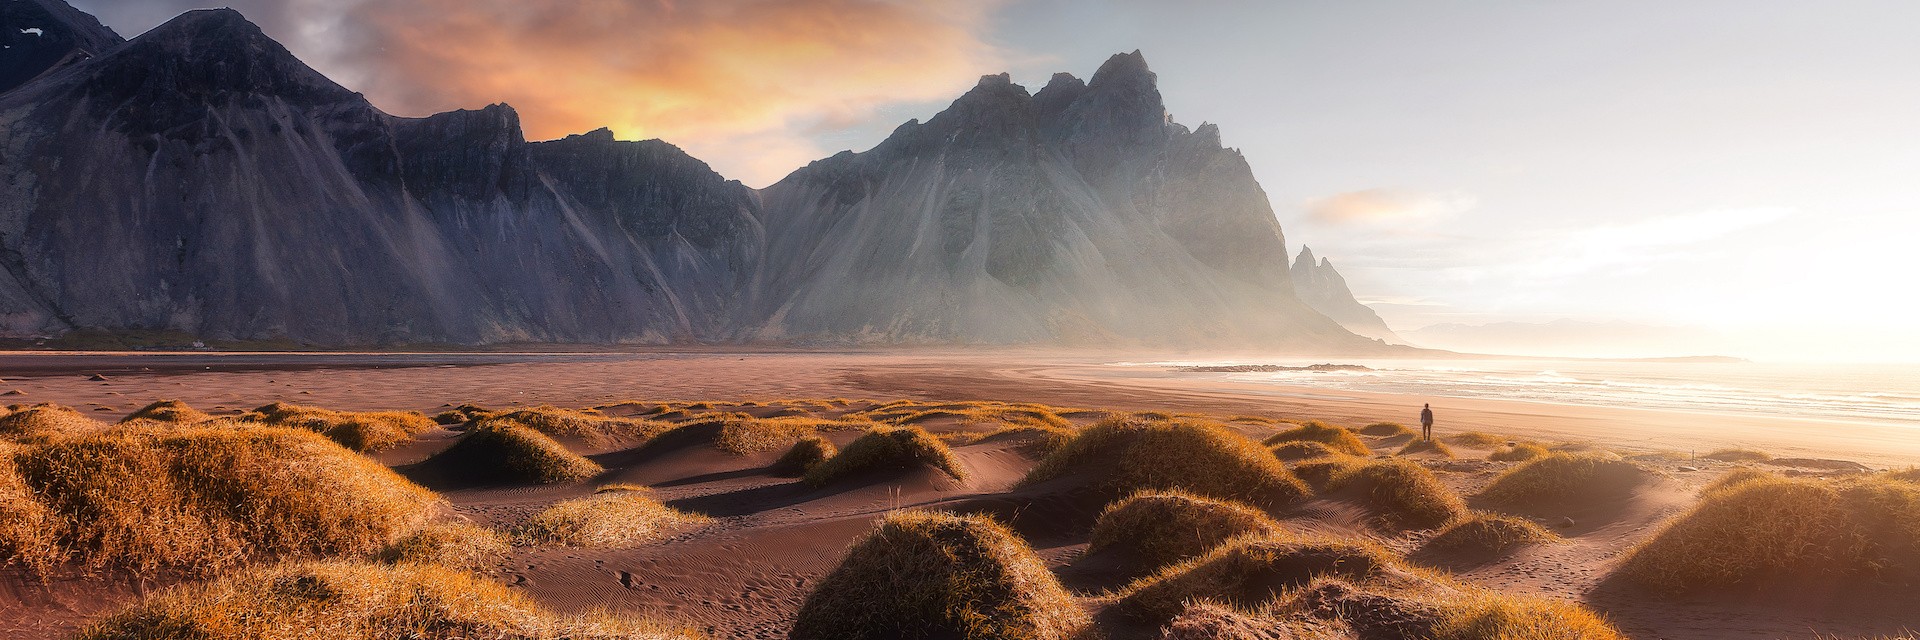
201, 179
1322, 287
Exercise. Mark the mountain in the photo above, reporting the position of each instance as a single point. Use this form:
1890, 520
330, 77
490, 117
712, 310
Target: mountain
1322, 287
200, 179
1080, 212
41, 36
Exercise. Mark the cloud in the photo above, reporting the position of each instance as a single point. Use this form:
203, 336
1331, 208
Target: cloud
741, 83
1389, 206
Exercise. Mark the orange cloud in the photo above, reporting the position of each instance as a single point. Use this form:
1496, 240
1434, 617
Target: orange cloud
1389, 206
736, 82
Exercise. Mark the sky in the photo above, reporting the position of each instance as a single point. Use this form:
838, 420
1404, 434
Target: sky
1743, 172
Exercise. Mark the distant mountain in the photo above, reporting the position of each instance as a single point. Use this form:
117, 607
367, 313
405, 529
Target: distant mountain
200, 179
1321, 287
1566, 337
1080, 212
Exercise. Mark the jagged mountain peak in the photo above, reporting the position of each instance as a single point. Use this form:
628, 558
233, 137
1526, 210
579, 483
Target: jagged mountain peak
1323, 288
1125, 69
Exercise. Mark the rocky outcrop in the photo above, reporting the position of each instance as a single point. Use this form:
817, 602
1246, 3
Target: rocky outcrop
38, 37
1081, 212
1322, 287
201, 180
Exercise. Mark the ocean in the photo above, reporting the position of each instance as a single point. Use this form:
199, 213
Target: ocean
1875, 393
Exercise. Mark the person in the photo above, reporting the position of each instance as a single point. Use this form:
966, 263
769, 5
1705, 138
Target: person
1426, 422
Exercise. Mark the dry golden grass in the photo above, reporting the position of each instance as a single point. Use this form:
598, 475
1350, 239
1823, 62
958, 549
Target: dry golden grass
1477, 439
619, 515
459, 545
1565, 477
1520, 452
1303, 450
1910, 474
1335, 438
1420, 445
1736, 476
1322, 473
887, 448
462, 414
1037, 439
1403, 495
1386, 430
806, 454
356, 430
742, 436
1761, 528
351, 601
929, 575
1738, 455
1484, 533
1126, 454
1491, 615
509, 452
173, 411
1204, 620
908, 412
1251, 571
201, 500
1160, 528
44, 422
28, 529
588, 426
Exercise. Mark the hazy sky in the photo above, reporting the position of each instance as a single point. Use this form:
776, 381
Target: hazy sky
1748, 166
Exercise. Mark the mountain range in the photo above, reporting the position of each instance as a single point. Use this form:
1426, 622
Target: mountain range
201, 179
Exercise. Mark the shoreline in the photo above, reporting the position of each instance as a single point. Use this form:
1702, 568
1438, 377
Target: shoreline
1058, 377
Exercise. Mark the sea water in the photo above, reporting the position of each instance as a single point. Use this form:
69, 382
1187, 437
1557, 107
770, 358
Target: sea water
1878, 393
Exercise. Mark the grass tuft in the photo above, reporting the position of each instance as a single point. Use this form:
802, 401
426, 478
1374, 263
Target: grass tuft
614, 516
1323, 473
887, 448
173, 411
1038, 439
1738, 455
1404, 496
590, 427
1520, 452
509, 452
929, 575
356, 430
1303, 450
457, 545
200, 500
1133, 453
1161, 528
1561, 478
1386, 430
1482, 533
1754, 529
806, 454
1335, 438
1421, 445
1477, 439
1249, 572
352, 601
45, 422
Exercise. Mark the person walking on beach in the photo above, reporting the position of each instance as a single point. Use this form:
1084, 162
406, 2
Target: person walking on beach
1426, 422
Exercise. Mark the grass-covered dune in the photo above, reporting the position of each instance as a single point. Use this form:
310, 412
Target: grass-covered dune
198, 500
884, 449
1158, 528
510, 452
1564, 478
1124, 454
356, 601
1753, 528
928, 575
1335, 438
